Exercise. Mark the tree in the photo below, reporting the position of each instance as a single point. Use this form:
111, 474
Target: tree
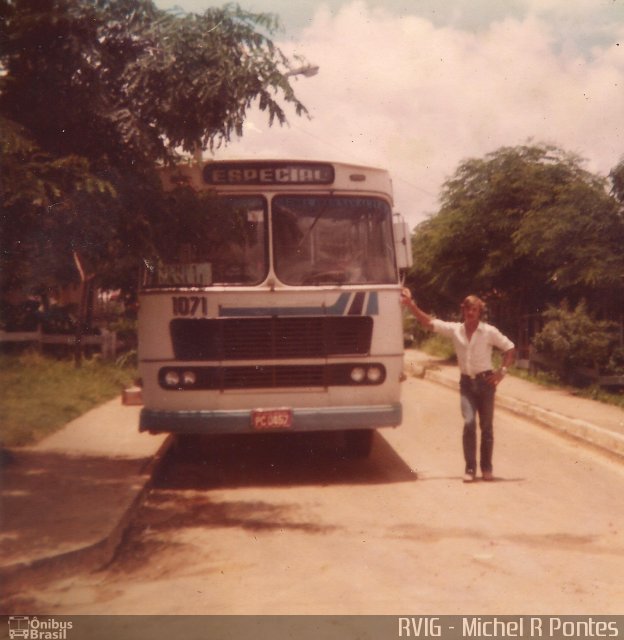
35, 191
525, 227
617, 180
93, 95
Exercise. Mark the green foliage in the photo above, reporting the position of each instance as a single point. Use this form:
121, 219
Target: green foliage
92, 96
125, 328
126, 83
615, 365
439, 346
40, 395
32, 175
523, 227
573, 339
38, 192
617, 180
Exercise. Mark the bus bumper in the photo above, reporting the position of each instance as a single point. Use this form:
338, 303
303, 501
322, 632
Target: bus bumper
306, 419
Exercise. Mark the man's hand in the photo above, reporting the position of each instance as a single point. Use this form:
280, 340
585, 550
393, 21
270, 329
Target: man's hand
496, 376
406, 297
408, 302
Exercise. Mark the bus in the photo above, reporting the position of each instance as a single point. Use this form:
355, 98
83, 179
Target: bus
280, 311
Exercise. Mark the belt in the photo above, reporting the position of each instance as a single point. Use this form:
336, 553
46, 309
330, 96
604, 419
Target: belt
479, 376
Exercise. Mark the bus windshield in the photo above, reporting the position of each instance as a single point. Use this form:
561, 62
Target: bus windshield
225, 245
332, 240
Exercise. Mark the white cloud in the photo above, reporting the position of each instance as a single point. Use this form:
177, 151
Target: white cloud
397, 91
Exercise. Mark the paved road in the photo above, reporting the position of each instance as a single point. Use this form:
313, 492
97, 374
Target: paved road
289, 526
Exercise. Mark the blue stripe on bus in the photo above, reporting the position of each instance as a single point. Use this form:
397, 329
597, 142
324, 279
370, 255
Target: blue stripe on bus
336, 309
372, 309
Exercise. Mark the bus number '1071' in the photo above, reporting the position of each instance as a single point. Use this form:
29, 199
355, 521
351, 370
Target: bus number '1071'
189, 305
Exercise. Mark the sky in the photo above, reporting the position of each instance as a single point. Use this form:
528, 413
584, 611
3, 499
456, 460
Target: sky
418, 86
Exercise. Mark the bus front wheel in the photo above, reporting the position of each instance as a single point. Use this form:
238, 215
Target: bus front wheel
359, 442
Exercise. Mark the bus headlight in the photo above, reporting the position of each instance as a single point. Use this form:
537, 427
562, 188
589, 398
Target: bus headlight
172, 378
189, 378
358, 374
374, 374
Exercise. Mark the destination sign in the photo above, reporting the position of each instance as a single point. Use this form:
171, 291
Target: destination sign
268, 173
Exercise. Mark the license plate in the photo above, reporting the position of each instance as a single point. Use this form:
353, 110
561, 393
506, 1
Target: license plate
271, 419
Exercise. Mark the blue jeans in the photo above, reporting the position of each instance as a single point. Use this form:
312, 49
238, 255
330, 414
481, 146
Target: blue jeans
477, 398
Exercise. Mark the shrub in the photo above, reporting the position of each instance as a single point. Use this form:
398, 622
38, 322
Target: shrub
573, 340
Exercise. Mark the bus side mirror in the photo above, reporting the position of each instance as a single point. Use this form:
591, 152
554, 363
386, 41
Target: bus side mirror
402, 243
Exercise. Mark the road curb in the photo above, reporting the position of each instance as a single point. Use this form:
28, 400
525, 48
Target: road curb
92, 556
579, 429
595, 435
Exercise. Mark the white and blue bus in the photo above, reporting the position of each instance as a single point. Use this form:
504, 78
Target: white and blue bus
281, 312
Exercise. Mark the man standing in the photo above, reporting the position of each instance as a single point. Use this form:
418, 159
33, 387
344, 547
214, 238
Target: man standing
473, 341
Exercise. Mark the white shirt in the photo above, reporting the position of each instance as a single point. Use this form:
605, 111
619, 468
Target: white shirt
475, 355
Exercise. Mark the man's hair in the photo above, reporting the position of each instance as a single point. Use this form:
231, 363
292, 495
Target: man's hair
474, 301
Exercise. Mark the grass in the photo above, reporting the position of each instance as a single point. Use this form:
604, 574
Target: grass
592, 392
41, 394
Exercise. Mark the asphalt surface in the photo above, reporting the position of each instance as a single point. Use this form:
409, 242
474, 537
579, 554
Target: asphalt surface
66, 502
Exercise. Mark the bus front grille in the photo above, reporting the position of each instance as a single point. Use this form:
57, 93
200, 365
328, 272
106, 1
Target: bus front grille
272, 377
270, 338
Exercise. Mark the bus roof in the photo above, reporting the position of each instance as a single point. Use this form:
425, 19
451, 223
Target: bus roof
278, 175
